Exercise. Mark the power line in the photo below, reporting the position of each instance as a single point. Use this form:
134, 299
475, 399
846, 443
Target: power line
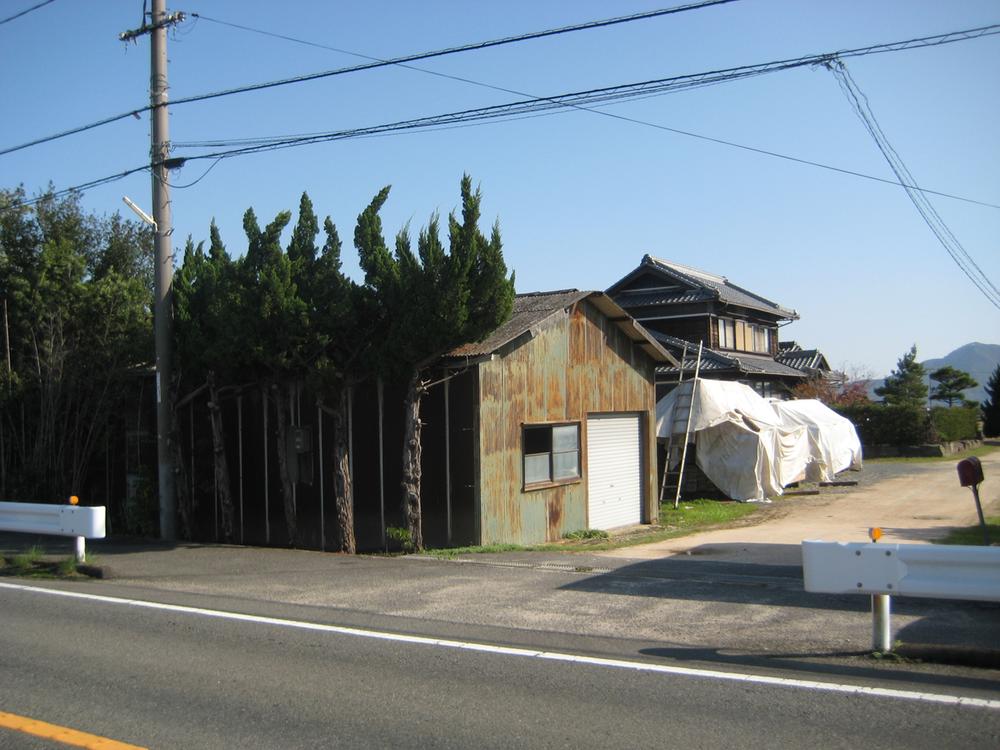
586, 100
25, 12
592, 98
81, 187
474, 46
370, 66
916, 43
862, 108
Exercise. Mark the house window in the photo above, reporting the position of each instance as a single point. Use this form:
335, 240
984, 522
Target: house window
765, 389
551, 453
743, 337
761, 339
726, 335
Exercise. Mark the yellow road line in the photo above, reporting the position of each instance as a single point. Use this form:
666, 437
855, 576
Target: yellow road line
64, 735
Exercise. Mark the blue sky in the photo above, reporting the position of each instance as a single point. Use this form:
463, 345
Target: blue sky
580, 196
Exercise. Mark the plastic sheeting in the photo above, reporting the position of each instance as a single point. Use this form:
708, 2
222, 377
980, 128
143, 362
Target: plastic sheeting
833, 442
752, 450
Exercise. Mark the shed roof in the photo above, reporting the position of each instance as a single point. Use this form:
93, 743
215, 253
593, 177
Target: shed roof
534, 308
697, 286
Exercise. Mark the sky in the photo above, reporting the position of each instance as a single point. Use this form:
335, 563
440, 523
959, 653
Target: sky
580, 194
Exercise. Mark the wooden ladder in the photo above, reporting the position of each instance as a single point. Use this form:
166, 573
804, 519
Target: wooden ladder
680, 425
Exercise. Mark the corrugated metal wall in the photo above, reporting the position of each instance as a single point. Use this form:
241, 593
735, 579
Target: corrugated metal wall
580, 364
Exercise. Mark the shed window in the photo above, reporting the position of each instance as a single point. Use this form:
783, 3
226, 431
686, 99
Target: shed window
551, 453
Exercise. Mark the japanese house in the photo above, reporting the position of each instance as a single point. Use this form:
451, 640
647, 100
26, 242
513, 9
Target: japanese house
682, 306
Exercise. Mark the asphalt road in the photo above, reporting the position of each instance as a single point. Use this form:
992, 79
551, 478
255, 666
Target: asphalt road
179, 678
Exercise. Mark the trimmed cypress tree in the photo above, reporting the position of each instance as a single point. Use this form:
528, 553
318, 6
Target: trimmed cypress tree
427, 303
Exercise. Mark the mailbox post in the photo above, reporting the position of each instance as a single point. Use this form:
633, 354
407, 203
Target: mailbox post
970, 474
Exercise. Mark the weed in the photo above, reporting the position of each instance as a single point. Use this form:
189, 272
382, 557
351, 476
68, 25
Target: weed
25, 561
479, 549
400, 537
586, 534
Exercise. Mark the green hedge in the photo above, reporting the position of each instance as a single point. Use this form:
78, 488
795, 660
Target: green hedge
958, 423
878, 424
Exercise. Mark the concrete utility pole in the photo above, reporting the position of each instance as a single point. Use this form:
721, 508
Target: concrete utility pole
164, 255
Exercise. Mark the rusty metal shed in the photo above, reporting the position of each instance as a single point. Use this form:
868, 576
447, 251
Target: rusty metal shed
554, 429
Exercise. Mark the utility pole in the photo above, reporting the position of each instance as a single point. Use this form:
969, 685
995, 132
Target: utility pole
164, 255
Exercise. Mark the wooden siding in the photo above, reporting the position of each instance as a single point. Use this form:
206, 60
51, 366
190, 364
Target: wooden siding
580, 363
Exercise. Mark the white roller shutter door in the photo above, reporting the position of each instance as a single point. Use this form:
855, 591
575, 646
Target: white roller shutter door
614, 471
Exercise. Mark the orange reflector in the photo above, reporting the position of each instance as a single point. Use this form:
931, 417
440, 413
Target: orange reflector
74, 500
874, 533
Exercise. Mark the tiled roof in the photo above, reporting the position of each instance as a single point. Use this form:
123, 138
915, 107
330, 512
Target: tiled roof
804, 359
705, 286
714, 361
643, 298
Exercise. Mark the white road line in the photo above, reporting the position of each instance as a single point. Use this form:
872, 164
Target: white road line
757, 679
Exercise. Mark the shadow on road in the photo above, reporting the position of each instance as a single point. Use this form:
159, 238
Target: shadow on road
799, 663
687, 579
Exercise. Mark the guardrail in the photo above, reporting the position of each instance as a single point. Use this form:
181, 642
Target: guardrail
59, 520
921, 570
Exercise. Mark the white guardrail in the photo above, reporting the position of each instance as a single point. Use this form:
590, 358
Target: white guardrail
59, 520
924, 570
920, 570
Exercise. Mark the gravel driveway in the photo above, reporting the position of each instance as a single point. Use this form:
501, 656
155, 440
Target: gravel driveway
913, 502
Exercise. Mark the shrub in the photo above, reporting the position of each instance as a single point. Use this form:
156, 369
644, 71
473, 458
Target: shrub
958, 423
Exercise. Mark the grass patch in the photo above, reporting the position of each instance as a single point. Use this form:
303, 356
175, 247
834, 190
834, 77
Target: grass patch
978, 452
691, 517
973, 535
33, 563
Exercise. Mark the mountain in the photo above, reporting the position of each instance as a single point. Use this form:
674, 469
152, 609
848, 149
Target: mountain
979, 360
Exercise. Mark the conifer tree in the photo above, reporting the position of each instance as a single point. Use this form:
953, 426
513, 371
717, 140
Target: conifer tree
950, 384
905, 385
991, 406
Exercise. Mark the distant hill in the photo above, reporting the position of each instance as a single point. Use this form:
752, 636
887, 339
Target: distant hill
979, 360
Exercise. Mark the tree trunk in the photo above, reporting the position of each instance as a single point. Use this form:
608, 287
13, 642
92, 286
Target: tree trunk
287, 496
221, 464
342, 480
411, 460
185, 507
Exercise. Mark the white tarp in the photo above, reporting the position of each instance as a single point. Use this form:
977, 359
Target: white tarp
833, 441
747, 448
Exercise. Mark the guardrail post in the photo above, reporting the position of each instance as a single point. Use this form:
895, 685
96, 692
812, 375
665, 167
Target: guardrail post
881, 609
81, 549
881, 623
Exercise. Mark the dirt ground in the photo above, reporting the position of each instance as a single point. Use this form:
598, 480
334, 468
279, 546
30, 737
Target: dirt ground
922, 502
